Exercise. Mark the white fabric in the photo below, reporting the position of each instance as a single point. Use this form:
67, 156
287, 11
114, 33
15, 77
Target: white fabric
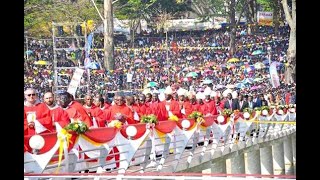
183, 111
129, 77
39, 128
136, 116
168, 90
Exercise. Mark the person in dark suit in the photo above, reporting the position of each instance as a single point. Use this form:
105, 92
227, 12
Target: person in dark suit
256, 100
243, 103
263, 101
250, 102
231, 103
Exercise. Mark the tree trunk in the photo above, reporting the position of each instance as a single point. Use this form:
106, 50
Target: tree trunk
276, 16
290, 72
232, 17
108, 35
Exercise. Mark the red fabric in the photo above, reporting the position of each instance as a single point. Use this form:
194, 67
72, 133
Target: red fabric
25, 124
42, 115
192, 121
141, 129
287, 97
50, 140
158, 109
187, 107
73, 113
202, 108
173, 107
85, 117
124, 110
101, 135
166, 126
60, 116
211, 107
97, 113
143, 109
208, 121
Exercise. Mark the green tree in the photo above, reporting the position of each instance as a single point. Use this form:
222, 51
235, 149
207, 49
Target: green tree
39, 14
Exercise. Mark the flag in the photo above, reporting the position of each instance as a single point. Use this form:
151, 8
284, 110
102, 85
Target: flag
89, 43
274, 75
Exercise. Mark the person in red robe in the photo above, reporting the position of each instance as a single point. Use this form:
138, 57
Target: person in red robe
78, 106
172, 107
35, 110
25, 124
143, 107
184, 104
65, 102
201, 106
193, 102
157, 108
131, 103
96, 114
57, 113
211, 105
119, 111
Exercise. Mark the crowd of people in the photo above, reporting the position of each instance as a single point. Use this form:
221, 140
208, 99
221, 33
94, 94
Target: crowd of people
192, 71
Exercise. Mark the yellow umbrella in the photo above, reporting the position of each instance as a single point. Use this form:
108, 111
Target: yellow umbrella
41, 62
233, 60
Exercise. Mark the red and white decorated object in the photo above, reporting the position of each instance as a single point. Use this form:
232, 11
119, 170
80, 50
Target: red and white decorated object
129, 138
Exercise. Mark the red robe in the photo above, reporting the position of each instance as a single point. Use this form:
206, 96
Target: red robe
143, 109
42, 115
123, 109
187, 108
60, 116
199, 107
97, 113
211, 107
158, 109
73, 113
85, 117
25, 124
173, 107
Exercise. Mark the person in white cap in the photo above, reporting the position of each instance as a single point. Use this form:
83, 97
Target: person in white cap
185, 106
201, 106
158, 108
172, 106
211, 105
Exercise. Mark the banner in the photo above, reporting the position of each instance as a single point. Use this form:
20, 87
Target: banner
89, 44
274, 75
265, 18
75, 81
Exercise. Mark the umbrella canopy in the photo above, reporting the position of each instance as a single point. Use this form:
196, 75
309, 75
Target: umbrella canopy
164, 77
247, 81
259, 65
207, 81
254, 87
240, 85
219, 86
230, 86
137, 61
266, 61
257, 52
41, 62
233, 60
192, 74
257, 79
151, 84
29, 52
